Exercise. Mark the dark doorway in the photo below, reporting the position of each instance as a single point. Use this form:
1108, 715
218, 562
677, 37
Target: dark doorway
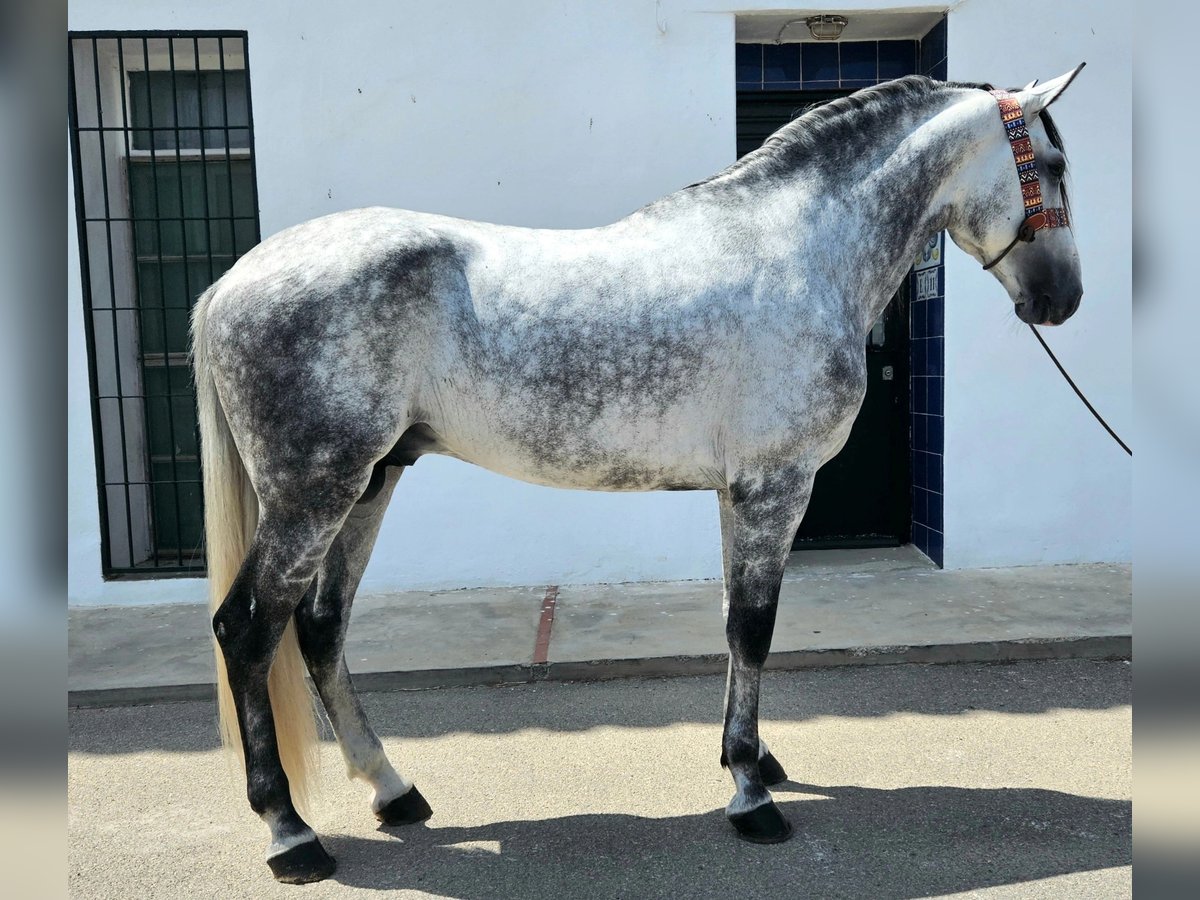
861, 496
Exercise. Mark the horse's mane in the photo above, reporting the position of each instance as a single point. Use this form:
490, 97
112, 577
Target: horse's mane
835, 123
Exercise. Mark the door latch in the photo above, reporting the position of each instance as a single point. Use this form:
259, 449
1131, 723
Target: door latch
888, 373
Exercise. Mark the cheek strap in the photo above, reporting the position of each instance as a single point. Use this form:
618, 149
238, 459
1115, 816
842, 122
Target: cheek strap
1036, 216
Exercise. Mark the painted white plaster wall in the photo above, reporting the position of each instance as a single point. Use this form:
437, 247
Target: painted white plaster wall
535, 113
567, 114
1030, 477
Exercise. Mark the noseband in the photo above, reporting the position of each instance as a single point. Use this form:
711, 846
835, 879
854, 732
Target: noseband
1036, 217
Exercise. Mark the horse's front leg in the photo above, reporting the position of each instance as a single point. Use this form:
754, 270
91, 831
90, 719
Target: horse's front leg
322, 620
769, 768
760, 512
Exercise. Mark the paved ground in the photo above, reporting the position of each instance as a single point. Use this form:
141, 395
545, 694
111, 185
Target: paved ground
908, 781
835, 606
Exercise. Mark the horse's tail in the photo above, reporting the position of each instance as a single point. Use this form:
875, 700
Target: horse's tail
230, 518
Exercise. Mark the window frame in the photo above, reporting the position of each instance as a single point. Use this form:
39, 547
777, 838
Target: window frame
115, 182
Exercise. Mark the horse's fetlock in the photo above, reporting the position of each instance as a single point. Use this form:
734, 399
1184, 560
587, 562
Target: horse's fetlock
268, 794
739, 750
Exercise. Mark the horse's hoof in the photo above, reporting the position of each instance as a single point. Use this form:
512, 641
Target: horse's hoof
406, 809
302, 864
762, 825
771, 771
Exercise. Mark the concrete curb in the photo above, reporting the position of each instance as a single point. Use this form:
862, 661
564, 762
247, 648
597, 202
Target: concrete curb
1100, 647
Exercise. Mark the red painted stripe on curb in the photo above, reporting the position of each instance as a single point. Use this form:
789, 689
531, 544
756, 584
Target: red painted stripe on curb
541, 646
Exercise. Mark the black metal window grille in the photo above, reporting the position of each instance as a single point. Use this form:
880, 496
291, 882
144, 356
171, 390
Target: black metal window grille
162, 146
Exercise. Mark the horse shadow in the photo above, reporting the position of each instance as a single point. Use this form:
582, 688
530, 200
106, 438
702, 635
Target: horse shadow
848, 842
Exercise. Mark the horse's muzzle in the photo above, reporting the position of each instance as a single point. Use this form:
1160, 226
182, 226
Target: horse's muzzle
1047, 308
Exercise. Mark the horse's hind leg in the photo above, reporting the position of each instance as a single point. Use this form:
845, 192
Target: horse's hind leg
760, 513
322, 620
289, 544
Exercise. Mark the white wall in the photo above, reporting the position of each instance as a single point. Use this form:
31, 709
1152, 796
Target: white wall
573, 114
534, 113
1030, 477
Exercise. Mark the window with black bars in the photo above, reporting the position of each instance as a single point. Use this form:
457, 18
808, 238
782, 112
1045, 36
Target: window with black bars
162, 146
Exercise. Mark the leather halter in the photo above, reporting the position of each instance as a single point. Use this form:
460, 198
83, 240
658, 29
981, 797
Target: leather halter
1036, 217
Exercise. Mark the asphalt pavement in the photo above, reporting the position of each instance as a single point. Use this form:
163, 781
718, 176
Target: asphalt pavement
1002, 780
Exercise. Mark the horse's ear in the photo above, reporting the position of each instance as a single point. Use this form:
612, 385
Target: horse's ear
1035, 97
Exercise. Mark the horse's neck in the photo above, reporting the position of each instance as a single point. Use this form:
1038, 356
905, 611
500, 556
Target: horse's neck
866, 221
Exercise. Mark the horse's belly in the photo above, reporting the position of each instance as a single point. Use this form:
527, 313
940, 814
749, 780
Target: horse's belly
616, 455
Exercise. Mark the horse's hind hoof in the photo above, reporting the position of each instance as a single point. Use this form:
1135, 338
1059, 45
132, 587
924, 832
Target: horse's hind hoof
762, 825
771, 771
302, 864
406, 809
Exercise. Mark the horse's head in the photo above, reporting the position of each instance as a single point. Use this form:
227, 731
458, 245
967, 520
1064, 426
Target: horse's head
1013, 217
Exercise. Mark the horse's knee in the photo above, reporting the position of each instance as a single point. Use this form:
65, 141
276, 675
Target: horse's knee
749, 629
320, 627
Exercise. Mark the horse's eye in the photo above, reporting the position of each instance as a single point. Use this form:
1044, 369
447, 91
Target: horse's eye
1058, 168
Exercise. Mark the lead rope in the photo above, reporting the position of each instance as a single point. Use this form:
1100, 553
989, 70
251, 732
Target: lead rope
1078, 392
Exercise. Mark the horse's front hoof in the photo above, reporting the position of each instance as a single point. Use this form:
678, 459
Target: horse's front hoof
762, 825
406, 809
302, 864
771, 771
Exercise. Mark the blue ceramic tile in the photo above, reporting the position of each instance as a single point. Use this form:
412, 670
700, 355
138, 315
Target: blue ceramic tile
935, 512
919, 319
934, 398
933, 359
857, 62
935, 434
785, 86
921, 506
781, 62
939, 71
897, 58
858, 83
935, 551
820, 64
919, 402
918, 354
749, 86
920, 537
935, 317
821, 85
933, 472
933, 47
748, 62
920, 439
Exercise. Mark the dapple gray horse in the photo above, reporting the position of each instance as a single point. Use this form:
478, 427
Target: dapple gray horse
713, 340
